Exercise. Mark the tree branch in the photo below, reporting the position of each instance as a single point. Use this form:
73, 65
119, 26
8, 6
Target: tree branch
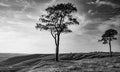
52, 33
53, 36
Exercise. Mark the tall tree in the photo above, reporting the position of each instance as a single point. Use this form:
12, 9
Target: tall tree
57, 20
108, 36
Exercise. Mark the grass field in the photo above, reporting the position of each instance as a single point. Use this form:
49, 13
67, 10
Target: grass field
72, 62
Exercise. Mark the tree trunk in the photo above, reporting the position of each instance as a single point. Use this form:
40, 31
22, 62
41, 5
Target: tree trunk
57, 47
110, 48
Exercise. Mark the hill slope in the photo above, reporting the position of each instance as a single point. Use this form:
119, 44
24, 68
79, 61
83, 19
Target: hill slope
4, 56
72, 61
84, 65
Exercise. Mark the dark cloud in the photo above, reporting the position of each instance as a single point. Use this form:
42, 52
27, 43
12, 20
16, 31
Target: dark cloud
114, 1
99, 8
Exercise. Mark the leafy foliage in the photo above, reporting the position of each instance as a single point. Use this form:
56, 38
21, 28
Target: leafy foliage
109, 35
58, 18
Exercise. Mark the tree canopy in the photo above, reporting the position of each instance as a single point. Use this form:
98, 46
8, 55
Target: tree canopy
109, 35
58, 18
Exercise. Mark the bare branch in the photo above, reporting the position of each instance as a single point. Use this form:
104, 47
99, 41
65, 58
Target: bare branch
52, 34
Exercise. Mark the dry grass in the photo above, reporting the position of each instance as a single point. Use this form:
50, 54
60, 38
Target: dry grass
84, 65
76, 62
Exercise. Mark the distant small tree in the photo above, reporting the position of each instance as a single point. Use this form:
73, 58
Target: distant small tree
108, 36
57, 20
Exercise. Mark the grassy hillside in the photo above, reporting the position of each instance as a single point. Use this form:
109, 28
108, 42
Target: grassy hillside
84, 65
4, 56
72, 61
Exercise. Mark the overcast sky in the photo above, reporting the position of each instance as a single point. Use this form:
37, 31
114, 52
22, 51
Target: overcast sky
18, 19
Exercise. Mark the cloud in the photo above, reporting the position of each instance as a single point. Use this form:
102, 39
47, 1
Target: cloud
18, 22
13, 5
113, 22
99, 3
96, 27
102, 8
20, 16
3, 4
109, 4
40, 1
24, 5
100, 25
